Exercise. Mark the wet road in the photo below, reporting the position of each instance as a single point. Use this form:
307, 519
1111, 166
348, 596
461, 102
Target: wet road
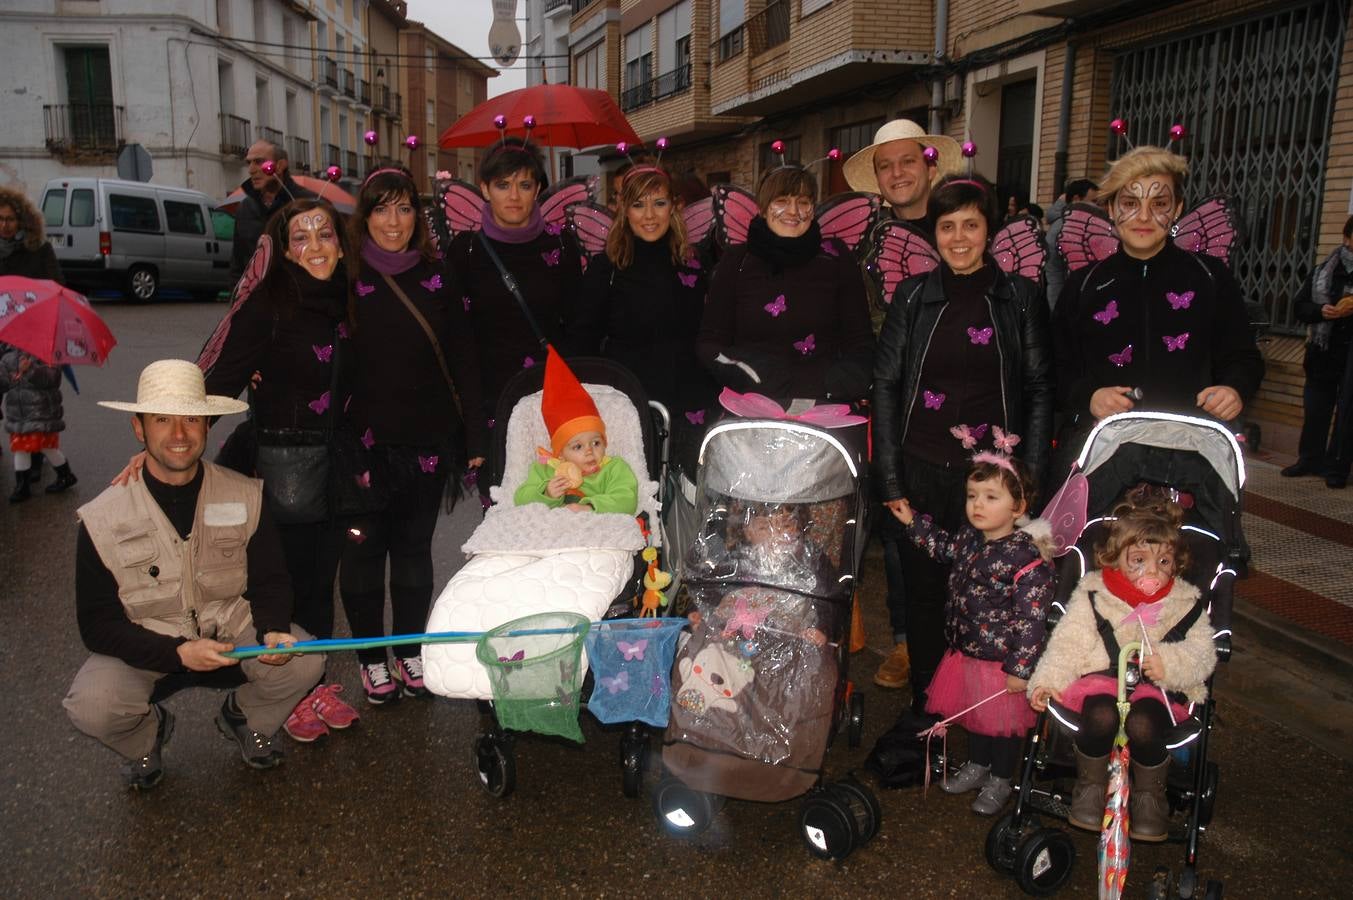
393, 807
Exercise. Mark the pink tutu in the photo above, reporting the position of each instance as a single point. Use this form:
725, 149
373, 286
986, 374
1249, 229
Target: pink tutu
961, 681
1073, 698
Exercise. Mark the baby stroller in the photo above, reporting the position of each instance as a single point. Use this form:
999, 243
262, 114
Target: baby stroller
1202, 461
521, 566
760, 687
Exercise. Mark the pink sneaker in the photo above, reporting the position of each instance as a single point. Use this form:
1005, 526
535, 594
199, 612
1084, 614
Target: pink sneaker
334, 712
304, 724
378, 685
409, 672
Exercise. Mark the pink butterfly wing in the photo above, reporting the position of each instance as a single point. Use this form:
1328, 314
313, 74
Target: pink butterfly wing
558, 197
734, 209
462, 206
1210, 227
849, 217
1019, 249
1087, 236
699, 219
898, 251
254, 272
831, 415
1066, 512
590, 224
750, 405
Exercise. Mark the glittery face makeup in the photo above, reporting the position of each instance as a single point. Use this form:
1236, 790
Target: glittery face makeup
789, 216
312, 243
1143, 211
1148, 566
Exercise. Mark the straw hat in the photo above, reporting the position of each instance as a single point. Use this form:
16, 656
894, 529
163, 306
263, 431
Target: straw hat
859, 169
175, 387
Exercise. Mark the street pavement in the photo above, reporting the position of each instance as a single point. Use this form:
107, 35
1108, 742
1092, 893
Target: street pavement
393, 807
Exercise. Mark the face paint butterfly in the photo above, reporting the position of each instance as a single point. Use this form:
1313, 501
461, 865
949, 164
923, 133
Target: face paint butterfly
1179, 301
552, 257
1122, 357
364, 289
776, 306
1175, 343
933, 400
432, 284
632, 651
428, 464
323, 354
617, 684
806, 346
980, 335
695, 416
320, 403
1107, 314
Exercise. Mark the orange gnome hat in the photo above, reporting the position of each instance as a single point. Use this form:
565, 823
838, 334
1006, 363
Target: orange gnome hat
566, 406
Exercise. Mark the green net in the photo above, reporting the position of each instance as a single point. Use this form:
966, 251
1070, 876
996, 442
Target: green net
534, 666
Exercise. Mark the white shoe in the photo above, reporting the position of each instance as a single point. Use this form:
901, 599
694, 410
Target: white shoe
992, 799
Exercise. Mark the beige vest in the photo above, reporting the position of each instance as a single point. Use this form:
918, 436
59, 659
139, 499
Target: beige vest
181, 588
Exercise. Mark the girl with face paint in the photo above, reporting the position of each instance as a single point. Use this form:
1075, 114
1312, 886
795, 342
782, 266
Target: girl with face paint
1138, 596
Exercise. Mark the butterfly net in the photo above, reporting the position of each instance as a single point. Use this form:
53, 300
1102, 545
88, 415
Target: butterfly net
631, 661
534, 666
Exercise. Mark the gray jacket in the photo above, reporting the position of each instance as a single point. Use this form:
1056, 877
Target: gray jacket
32, 392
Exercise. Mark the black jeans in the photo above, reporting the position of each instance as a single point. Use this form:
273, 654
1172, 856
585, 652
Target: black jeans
1328, 394
311, 551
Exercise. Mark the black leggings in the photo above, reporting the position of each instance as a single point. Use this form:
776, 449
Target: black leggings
1000, 753
403, 531
1148, 724
311, 551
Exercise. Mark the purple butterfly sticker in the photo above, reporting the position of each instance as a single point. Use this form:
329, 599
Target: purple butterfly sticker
830, 249
933, 400
1122, 357
363, 480
323, 354
1179, 301
368, 439
320, 404
428, 464
513, 662
656, 687
471, 477
342, 330
980, 335
776, 306
968, 436
552, 257
806, 346
617, 684
687, 280
1175, 343
432, 284
364, 289
526, 363
695, 416
465, 301
554, 229
1107, 314
632, 651
693, 262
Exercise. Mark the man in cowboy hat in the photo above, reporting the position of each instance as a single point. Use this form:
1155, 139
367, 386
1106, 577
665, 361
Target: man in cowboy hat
172, 571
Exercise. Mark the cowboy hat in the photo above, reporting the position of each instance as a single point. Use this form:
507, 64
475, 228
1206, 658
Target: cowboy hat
859, 169
175, 387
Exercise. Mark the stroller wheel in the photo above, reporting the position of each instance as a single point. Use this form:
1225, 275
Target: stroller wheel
1002, 841
864, 807
855, 727
827, 825
1043, 862
682, 811
496, 765
633, 757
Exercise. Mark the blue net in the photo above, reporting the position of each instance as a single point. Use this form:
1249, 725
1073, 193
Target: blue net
631, 661
534, 666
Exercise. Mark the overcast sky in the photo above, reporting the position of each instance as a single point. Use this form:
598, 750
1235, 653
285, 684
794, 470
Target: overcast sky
465, 23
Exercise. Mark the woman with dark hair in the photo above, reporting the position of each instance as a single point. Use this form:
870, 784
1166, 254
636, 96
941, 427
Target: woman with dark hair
787, 315
545, 264
642, 300
23, 245
417, 358
963, 364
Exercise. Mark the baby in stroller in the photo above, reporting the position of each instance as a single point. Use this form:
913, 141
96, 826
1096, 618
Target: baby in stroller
1134, 596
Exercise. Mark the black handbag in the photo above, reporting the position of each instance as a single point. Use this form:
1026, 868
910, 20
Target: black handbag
295, 469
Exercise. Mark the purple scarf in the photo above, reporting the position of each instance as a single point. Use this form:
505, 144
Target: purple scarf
389, 262
521, 235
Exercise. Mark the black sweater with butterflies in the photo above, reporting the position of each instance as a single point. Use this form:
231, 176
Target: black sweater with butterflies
1170, 325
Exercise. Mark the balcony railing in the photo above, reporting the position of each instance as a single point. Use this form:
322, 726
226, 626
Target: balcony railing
234, 135
660, 88
364, 92
580, 5
349, 83
554, 4
731, 44
90, 127
350, 166
298, 151
396, 102
333, 155
328, 72
639, 95
380, 103
271, 135
768, 28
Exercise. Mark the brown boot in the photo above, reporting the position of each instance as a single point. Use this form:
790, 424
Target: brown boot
1087, 796
895, 670
1150, 810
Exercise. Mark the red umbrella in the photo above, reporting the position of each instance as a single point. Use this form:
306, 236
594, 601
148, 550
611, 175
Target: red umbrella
565, 116
341, 199
53, 323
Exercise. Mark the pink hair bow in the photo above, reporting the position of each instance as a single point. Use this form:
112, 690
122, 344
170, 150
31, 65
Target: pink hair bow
759, 406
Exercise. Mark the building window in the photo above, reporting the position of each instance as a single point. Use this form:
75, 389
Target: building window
638, 68
91, 120
674, 50
591, 67
260, 21
223, 16
770, 160
808, 7
849, 139
731, 32
432, 112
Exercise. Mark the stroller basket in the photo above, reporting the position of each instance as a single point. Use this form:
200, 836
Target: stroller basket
631, 660
534, 666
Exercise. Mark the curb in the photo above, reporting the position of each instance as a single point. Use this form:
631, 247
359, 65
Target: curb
1311, 648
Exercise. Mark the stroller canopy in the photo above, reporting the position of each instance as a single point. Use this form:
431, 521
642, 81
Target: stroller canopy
1210, 440
774, 461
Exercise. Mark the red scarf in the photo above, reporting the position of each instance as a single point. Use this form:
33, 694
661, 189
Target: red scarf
1125, 590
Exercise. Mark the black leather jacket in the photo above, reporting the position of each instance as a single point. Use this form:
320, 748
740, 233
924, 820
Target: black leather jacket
1020, 317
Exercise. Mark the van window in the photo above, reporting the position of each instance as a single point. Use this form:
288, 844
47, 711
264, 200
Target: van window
54, 208
184, 218
81, 207
223, 223
133, 213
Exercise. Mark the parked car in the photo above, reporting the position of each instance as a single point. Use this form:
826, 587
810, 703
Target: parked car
138, 237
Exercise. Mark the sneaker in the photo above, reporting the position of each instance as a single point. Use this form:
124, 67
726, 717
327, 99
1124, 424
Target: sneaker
1337, 482
968, 778
896, 669
144, 773
409, 673
256, 750
334, 712
378, 685
1299, 468
304, 723
995, 792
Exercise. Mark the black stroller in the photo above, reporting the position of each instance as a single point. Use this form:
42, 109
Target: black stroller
1194, 457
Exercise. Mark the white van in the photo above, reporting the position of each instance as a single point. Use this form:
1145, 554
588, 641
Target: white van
137, 237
